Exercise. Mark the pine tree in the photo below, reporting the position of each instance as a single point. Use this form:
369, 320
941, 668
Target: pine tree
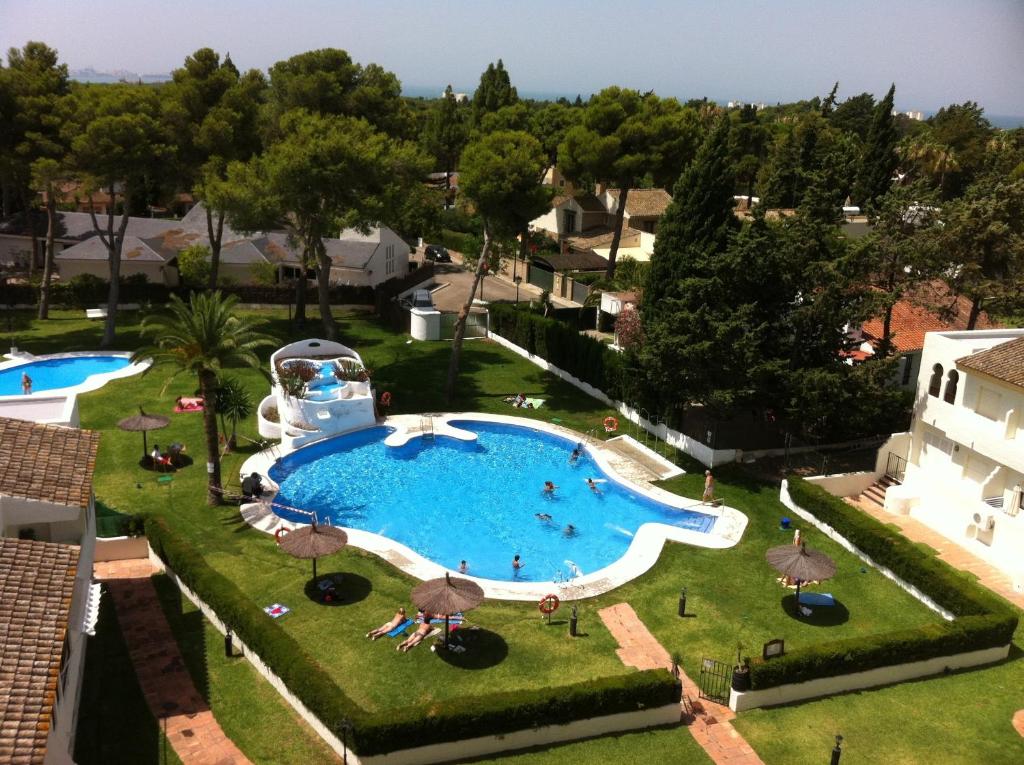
880, 159
494, 92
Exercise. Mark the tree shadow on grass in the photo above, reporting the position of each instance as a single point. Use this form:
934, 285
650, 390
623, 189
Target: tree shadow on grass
821, 616
484, 649
349, 588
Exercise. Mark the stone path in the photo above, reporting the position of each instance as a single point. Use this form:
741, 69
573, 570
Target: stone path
188, 723
709, 723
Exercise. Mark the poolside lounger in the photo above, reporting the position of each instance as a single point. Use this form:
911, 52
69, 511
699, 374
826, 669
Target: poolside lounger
400, 628
817, 599
95, 313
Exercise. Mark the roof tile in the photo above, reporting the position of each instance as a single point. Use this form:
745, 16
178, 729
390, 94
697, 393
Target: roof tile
1004, 362
49, 463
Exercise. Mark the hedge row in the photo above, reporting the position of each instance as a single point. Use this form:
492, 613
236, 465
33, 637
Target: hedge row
983, 619
417, 725
88, 291
582, 356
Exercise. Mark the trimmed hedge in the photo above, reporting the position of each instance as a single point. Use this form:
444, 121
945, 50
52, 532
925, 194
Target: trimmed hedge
582, 356
406, 727
983, 619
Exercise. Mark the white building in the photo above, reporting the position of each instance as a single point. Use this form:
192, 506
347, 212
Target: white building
47, 602
964, 468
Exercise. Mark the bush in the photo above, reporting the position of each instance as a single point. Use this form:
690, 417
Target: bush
417, 725
983, 619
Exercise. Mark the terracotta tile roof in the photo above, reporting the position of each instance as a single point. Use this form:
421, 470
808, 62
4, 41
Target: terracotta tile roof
1004, 362
600, 237
37, 582
644, 203
47, 462
930, 308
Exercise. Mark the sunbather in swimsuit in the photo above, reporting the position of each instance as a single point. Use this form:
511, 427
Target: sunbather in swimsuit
385, 628
415, 638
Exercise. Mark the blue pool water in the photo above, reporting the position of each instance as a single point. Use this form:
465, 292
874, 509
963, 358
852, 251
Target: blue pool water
451, 500
50, 374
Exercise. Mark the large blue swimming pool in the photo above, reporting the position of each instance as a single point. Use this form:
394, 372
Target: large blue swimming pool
451, 500
50, 374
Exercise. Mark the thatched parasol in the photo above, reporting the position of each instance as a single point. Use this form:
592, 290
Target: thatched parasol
144, 422
313, 541
797, 562
447, 596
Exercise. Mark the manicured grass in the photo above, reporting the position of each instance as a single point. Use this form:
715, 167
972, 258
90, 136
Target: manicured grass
732, 593
115, 727
236, 692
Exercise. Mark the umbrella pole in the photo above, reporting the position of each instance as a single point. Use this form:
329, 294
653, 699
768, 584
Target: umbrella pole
314, 568
145, 446
446, 631
798, 581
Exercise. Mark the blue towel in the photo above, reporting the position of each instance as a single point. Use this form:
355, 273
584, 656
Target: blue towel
817, 599
400, 628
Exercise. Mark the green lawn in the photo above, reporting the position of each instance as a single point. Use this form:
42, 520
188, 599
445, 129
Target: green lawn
733, 594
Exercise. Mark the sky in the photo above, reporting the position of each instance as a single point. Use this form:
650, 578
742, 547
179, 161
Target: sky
936, 51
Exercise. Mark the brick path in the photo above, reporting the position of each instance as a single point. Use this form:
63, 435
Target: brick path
190, 725
709, 724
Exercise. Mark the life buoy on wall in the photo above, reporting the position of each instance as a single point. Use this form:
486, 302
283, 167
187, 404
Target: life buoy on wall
610, 424
385, 398
280, 533
549, 604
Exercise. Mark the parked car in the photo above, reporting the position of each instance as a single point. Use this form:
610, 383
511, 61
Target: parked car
437, 254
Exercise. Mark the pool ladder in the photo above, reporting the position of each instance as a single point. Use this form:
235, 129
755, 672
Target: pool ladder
427, 427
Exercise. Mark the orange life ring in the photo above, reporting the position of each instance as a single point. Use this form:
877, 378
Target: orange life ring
280, 533
610, 424
549, 604
385, 398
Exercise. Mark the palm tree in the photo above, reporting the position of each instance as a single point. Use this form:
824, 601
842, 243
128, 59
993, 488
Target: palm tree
202, 337
933, 158
234, 403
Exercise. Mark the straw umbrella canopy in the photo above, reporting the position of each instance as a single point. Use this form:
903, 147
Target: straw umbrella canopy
447, 595
144, 422
797, 562
313, 541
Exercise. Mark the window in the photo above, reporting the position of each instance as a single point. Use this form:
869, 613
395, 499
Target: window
989, 403
908, 367
935, 384
951, 380
569, 220
389, 260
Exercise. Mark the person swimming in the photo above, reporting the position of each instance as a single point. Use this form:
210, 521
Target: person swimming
549, 488
569, 530
576, 454
593, 486
546, 517
517, 564
463, 567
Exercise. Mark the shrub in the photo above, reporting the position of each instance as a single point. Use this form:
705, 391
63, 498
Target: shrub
194, 265
416, 725
983, 619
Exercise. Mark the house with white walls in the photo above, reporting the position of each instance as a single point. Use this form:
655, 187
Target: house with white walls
961, 471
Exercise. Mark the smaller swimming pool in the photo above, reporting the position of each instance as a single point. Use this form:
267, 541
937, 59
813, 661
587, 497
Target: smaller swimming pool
65, 371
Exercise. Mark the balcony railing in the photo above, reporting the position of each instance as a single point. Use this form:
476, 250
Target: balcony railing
895, 468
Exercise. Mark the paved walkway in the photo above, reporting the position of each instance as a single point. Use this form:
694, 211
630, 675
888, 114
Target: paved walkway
709, 724
188, 723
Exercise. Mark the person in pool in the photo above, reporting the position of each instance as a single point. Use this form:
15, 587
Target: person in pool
569, 531
463, 567
26, 384
549, 489
576, 454
517, 564
546, 517
593, 486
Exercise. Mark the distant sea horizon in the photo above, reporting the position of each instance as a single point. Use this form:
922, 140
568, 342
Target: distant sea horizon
1002, 121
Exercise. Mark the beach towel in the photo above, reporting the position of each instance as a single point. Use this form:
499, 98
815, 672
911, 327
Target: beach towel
534, 403
400, 628
189, 405
440, 619
276, 610
817, 599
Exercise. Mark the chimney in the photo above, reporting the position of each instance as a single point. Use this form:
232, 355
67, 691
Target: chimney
565, 246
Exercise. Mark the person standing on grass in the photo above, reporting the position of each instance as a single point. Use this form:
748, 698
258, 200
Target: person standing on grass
709, 488
26, 384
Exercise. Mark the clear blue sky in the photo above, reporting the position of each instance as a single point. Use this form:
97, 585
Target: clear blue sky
937, 51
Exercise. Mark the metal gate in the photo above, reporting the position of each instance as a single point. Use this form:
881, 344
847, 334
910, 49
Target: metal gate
541, 278
476, 325
579, 292
715, 680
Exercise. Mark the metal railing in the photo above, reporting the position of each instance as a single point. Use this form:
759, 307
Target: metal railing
895, 468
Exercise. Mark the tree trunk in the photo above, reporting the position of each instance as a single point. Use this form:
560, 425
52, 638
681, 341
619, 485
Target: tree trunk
44, 290
30, 218
215, 233
460, 324
323, 290
208, 390
114, 242
886, 345
972, 318
619, 216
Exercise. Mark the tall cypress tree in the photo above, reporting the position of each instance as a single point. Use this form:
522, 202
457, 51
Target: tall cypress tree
880, 159
494, 92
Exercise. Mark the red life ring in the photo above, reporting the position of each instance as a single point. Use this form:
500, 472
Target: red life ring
549, 604
610, 424
385, 398
280, 533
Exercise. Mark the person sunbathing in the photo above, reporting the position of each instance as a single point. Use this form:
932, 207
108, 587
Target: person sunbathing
416, 638
385, 628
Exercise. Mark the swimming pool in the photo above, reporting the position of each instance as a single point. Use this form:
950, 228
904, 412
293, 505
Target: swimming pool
65, 371
450, 500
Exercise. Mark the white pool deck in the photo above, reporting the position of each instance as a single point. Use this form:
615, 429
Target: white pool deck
59, 406
641, 555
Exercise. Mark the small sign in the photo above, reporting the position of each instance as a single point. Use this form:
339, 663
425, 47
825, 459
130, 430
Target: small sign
276, 611
773, 648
